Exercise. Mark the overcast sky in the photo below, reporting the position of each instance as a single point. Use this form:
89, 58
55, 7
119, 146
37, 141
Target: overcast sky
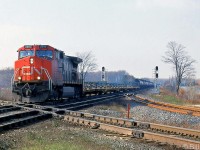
123, 34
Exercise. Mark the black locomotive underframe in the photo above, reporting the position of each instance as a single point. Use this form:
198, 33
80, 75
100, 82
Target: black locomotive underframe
30, 89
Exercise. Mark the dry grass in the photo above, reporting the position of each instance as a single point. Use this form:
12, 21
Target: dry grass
50, 135
169, 97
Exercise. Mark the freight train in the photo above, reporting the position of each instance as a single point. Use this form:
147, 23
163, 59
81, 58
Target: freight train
43, 72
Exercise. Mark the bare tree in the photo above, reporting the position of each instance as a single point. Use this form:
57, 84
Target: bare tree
181, 61
89, 63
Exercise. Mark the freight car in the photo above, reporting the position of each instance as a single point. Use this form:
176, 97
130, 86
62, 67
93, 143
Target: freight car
43, 72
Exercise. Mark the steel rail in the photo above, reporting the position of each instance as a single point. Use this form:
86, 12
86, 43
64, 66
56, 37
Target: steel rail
122, 122
18, 115
13, 116
133, 128
76, 105
119, 121
9, 109
24, 121
168, 139
142, 125
115, 124
169, 107
86, 101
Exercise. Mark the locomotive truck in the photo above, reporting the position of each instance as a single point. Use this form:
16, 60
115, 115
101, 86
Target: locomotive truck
43, 72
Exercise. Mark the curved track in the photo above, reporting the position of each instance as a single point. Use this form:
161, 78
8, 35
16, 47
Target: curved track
180, 137
194, 111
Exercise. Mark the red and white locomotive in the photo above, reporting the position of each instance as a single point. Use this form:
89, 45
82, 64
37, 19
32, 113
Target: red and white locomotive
42, 72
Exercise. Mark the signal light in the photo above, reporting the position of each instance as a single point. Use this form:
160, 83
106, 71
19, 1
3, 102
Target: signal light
156, 75
156, 68
156, 72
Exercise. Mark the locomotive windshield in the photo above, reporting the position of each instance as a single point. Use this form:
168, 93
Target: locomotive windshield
44, 54
26, 53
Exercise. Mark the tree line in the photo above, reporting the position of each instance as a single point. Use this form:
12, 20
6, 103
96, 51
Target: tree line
5, 77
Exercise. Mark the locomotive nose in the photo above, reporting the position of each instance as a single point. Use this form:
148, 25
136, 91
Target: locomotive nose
31, 60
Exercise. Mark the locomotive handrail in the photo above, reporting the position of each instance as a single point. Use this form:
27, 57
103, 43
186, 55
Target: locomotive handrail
49, 78
13, 77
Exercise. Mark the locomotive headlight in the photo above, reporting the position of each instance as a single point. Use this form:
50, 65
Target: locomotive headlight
19, 78
38, 77
31, 61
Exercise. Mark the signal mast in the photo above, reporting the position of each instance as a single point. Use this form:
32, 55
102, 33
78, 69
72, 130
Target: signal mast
103, 74
156, 86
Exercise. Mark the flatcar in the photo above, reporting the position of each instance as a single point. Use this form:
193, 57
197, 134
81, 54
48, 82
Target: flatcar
43, 72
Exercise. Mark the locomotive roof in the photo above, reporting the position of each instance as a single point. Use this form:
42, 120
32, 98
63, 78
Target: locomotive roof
76, 60
47, 47
26, 47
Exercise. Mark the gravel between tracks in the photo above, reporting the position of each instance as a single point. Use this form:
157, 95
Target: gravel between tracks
148, 114
140, 112
115, 108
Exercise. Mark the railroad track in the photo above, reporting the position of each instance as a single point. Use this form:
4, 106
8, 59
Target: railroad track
90, 102
73, 105
142, 130
194, 111
20, 114
13, 117
180, 137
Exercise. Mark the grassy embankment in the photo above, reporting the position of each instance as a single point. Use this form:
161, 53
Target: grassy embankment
49, 135
169, 97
